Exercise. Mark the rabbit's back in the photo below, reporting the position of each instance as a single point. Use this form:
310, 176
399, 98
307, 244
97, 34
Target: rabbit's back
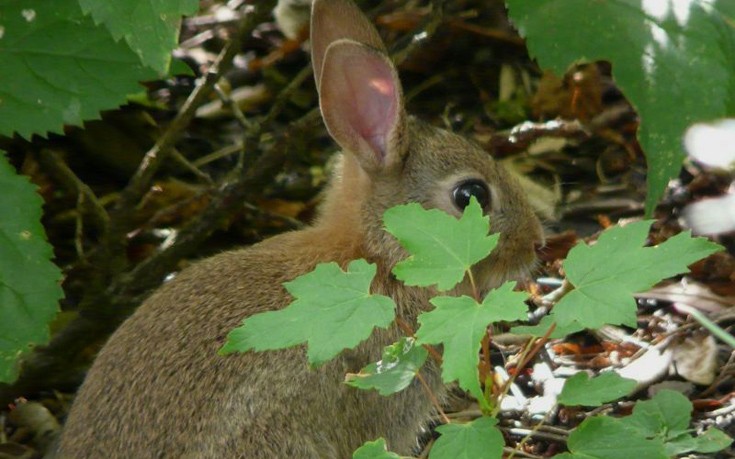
165, 357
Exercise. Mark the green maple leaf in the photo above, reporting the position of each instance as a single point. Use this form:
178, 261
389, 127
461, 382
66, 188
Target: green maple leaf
603, 437
666, 417
395, 371
479, 439
442, 247
333, 310
607, 274
580, 389
459, 323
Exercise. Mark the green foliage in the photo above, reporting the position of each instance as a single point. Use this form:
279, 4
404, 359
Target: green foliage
658, 428
711, 441
666, 417
59, 67
29, 282
374, 450
394, 372
603, 437
459, 323
442, 247
607, 274
603, 291
333, 310
479, 439
618, 262
580, 389
659, 50
150, 27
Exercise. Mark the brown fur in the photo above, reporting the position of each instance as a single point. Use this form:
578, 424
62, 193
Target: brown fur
158, 388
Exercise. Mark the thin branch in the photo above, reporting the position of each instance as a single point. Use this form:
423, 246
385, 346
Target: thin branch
405, 47
67, 179
433, 399
232, 105
229, 196
155, 157
188, 165
285, 94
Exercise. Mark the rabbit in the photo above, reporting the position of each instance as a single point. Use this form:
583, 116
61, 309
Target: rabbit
159, 389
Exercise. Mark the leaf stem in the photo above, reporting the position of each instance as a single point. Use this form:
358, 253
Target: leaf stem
539, 343
475, 292
716, 330
534, 430
433, 399
409, 332
485, 367
529, 352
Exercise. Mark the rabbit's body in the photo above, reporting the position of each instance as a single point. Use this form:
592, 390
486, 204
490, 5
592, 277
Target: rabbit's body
160, 390
158, 387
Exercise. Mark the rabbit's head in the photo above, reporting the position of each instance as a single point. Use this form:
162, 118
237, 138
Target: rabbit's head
391, 158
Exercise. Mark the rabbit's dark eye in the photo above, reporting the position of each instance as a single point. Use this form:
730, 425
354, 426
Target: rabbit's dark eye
464, 190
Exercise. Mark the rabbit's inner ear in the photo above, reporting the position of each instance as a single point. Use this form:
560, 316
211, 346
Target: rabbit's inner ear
361, 102
332, 20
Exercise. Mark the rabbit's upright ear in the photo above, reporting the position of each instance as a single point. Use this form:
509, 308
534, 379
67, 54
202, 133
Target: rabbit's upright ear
332, 20
359, 92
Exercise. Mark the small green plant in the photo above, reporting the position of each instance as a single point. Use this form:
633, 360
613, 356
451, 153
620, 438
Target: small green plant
658, 428
334, 310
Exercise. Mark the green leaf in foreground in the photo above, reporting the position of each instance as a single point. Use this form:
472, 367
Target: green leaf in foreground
29, 282
400, 363
479, 439
151, 27
459, 323
374, 450
581, 390
442, 247
603, 437
59, 68
607, 274
711, 441
658, 50
666, 417
333, 310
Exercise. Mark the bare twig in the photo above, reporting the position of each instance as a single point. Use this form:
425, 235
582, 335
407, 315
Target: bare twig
433, 399
65, 177
285, 94
404, 48
232, 105
155, 157
188, 165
